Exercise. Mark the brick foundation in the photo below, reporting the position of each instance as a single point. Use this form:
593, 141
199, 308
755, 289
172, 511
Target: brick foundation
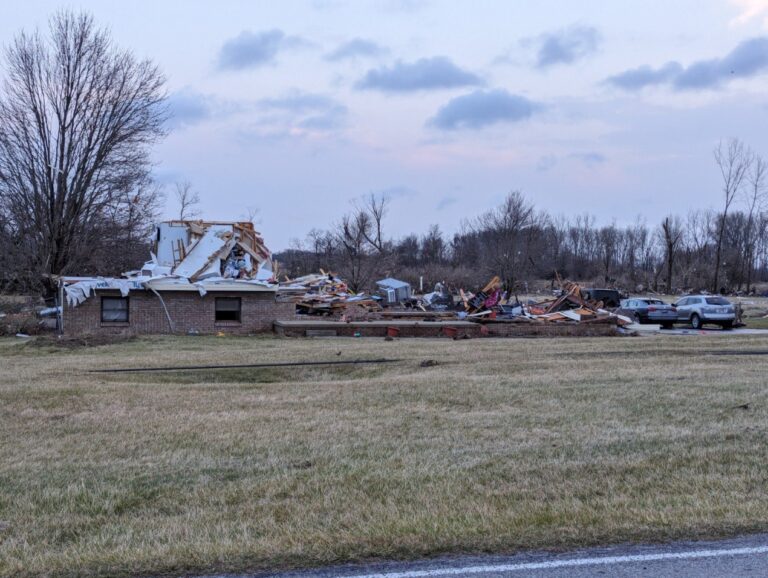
189, 312
308, 327
551, 329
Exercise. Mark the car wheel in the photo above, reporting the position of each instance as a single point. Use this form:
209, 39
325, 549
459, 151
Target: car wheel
637, 319
695, 321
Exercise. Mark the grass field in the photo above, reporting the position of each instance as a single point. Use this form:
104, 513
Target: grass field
756, 322
503, 445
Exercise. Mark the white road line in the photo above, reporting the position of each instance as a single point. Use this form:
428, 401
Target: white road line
565, 563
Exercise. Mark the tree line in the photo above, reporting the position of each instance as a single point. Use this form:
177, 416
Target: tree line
706, 249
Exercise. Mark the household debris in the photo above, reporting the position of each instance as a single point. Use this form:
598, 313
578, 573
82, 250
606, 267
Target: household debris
393, 290
194, 255
26, 315
327, 294
492, 305
438, 300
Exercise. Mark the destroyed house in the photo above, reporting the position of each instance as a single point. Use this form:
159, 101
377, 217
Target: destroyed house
203, 277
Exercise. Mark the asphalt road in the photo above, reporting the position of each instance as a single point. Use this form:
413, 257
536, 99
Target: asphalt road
706, 331
747, 556
656, 330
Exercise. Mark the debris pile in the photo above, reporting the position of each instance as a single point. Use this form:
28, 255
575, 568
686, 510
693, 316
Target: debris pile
198, 250
326, 294
22, 315
440, 299
492, 305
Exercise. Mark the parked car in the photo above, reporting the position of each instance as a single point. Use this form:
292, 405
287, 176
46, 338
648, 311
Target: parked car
700, 309
610, 297
650, 310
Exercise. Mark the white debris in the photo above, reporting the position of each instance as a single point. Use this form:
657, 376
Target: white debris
190, 255
80, 290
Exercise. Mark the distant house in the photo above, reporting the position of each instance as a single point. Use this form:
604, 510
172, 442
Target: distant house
394, 290
204, 277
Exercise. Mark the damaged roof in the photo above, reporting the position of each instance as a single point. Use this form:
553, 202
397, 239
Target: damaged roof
192, 255
198, 250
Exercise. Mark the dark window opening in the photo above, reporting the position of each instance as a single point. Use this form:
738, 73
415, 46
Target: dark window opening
114, 309
228, 309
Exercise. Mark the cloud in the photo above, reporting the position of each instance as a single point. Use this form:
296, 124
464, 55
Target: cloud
566, 46
590, 159
748, 59
750, 10
299, 101
483, 108
187, 107
546, 163
638, 78
254, 49
356, 48
446, 202
424, 74
404, 6
399, 192
305, 110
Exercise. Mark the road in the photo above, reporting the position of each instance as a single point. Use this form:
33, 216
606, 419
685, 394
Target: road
739, 331
657, 330
743, 557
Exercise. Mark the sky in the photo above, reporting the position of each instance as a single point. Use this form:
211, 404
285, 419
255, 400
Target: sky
300, 109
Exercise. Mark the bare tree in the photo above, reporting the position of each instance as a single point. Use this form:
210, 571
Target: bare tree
733, 159
250, 215
756, 179
608, 238
375, 210
670, 233
188, 200
77, 118
362, 247
505, 230
352, 234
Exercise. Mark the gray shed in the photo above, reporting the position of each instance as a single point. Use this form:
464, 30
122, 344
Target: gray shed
394, 290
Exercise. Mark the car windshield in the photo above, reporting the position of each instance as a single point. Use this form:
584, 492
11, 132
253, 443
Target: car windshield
654, 302
717, 301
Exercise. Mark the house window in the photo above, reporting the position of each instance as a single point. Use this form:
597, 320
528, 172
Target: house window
114, 309
228, 309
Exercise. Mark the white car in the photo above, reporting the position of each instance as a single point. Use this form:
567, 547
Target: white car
700, 309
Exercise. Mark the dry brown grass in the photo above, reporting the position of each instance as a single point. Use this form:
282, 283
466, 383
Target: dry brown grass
504, 445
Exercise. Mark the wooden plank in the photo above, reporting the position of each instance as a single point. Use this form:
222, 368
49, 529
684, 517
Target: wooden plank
493, 284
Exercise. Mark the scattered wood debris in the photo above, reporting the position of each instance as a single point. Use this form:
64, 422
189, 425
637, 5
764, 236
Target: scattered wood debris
491, 305
326, 294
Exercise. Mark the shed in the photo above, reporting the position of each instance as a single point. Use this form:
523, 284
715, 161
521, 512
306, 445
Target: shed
394, 290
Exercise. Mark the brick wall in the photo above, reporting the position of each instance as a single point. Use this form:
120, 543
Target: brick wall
551, 329
300, 327
189, 312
